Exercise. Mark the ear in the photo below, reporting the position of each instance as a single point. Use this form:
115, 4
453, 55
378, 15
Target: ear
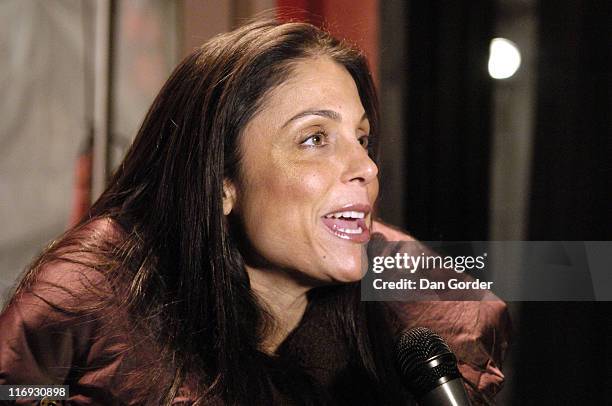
229, 196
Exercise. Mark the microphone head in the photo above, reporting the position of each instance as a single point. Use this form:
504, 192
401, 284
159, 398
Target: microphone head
424, 360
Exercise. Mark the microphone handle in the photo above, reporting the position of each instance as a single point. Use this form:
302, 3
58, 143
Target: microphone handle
451, 393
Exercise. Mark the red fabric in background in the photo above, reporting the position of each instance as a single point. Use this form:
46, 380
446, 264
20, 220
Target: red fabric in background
81, 200
354, 20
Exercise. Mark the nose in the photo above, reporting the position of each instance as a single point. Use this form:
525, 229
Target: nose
360, 167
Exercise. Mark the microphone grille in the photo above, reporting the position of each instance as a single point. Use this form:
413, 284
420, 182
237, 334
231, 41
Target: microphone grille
415, 351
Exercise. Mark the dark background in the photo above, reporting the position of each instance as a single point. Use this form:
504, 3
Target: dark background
561, 350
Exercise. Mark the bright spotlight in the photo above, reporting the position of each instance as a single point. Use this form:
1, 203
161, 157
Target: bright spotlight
504, 58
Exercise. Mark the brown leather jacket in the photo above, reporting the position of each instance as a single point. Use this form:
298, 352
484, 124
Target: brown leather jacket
97, 354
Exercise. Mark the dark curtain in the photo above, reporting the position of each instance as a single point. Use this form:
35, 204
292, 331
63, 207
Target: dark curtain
572, 164
561, 351
448, 114
564, 348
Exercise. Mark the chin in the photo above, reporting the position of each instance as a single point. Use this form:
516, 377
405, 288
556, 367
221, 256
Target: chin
349, 269
348, 277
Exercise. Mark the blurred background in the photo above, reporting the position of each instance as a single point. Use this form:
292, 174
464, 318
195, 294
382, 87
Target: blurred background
496, 118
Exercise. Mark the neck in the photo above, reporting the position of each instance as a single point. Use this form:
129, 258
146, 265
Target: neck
284, 298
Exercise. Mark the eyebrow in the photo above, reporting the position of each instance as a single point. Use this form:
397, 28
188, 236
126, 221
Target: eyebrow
333, 115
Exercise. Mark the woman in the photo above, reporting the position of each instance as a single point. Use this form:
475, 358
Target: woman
221, 263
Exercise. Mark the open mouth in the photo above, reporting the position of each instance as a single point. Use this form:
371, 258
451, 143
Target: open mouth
348, 224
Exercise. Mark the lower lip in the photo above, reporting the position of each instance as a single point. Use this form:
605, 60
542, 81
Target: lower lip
363, 236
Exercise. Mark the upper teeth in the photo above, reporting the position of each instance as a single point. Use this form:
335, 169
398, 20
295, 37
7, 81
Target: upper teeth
347, 214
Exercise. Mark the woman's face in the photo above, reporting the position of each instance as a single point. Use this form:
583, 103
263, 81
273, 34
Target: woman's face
307, 184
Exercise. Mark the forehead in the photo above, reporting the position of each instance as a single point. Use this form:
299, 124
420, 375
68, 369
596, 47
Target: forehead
314, 83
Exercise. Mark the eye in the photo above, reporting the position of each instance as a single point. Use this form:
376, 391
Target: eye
315, 140
364, 140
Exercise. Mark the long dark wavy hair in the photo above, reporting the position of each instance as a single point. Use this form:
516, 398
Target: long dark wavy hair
176, 268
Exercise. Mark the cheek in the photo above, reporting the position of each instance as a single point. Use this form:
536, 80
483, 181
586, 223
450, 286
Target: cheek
373, 189
288, 197
281, 209
296, 176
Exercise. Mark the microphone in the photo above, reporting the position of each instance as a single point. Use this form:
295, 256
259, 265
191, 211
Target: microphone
429, 369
